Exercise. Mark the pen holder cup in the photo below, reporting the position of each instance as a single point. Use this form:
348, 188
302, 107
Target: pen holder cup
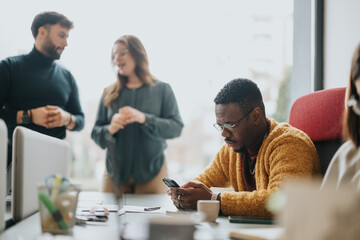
57, 206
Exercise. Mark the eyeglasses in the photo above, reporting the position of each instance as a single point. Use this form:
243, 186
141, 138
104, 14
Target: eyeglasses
231, 127
121, 53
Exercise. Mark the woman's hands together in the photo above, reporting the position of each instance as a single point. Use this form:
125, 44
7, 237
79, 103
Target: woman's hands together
125, 115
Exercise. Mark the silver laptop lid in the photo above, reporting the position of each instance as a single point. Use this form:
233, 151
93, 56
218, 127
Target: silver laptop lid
3, 163
313, 214
34, 157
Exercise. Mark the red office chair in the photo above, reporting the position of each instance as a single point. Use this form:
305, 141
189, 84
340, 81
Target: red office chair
319, 115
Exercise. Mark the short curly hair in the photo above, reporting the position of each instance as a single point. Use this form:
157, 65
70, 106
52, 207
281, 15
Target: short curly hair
243, 92
52, 18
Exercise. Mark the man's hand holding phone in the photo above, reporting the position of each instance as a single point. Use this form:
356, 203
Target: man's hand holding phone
170, 182
186, 197
171, 192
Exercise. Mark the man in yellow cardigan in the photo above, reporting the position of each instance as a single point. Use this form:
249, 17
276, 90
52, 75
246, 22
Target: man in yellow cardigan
258, 155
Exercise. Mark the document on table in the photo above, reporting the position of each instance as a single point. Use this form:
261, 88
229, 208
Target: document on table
140, 209
257, 233
97, 208
84, 204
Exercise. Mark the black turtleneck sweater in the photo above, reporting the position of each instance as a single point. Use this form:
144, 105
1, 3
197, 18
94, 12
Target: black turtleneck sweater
34, 80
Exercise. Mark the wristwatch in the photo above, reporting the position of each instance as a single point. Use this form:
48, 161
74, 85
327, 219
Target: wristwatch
214, 196
25, 118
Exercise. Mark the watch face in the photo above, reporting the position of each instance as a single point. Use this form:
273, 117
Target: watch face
214, 196
25, 118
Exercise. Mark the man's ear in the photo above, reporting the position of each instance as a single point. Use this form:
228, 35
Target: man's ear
42, 33
255, 115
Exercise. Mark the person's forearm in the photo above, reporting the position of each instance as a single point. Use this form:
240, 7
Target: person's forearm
78, 119
71, 123
111, 130
98, 134
219, 199
166, 128
20, 114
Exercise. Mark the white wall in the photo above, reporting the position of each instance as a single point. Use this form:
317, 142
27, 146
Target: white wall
341, 36
301, 82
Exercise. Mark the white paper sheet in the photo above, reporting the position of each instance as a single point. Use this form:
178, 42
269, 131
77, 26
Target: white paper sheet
140, 209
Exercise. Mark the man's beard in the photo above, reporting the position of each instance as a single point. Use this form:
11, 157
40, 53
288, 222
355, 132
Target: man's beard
50, 49
240, 150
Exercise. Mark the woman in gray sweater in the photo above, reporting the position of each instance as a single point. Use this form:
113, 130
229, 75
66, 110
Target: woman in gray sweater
344, 168
135, 116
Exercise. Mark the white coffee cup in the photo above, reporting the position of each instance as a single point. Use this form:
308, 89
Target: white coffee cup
208, 210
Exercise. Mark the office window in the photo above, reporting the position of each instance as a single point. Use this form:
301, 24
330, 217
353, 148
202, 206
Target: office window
196, 46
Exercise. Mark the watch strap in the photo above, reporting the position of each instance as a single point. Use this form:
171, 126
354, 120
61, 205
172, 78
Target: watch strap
25, 118
214, 196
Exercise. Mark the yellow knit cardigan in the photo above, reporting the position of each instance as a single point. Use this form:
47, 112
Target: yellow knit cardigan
286, 152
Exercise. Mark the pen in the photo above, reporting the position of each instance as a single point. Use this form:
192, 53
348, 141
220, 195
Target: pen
151, 209
54, 211
57, 184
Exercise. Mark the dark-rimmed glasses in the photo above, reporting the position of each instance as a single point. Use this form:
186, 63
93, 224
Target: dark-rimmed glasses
231, 126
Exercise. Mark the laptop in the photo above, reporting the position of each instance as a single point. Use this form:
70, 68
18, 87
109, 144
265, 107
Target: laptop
3, 163
313, 214
34, 157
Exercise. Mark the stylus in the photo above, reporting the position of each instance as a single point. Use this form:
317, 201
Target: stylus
151, 209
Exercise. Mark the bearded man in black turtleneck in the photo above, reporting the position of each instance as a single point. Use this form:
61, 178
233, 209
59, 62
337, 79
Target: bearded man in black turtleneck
35, 91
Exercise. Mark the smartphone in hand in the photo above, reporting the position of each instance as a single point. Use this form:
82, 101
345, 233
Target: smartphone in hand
170, 183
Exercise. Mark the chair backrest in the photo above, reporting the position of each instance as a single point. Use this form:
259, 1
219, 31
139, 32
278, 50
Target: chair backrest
320, 115
3, 163
35, 156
